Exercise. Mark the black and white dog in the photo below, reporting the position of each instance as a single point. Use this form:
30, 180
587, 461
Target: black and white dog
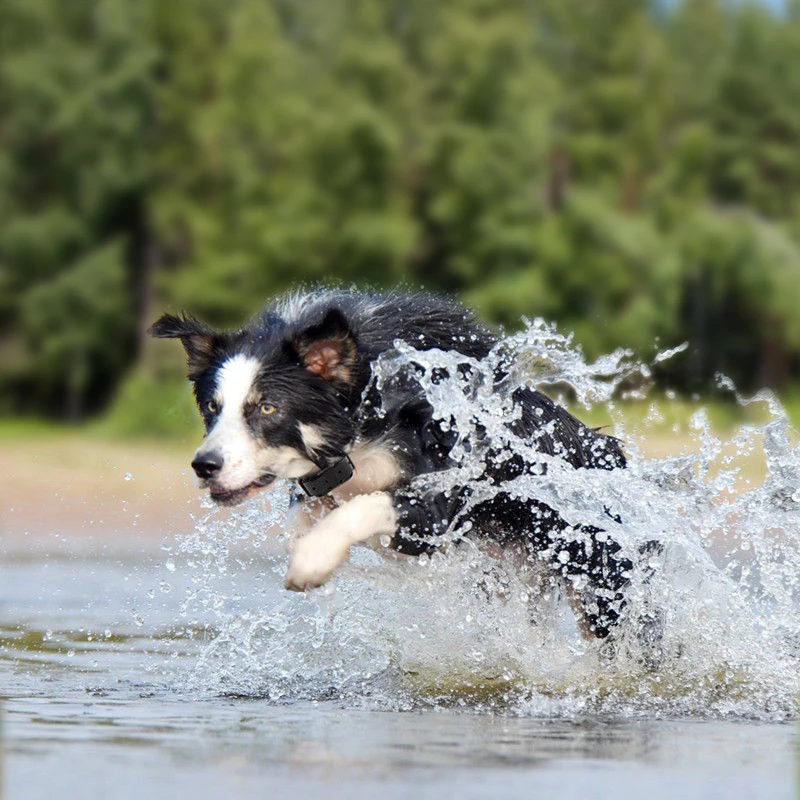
291, 397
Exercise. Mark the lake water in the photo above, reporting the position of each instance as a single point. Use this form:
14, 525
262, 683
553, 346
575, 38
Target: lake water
105, 697
185, 669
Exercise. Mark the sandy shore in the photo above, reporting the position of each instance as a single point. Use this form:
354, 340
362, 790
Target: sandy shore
72, 485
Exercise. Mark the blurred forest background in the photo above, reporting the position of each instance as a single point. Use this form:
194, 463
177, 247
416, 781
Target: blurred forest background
629, 169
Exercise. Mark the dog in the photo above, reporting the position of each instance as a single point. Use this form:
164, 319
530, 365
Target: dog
291, 396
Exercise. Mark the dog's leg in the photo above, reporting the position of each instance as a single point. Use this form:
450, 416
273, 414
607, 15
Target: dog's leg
317, 554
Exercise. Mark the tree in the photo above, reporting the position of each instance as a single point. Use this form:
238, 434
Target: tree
75, 83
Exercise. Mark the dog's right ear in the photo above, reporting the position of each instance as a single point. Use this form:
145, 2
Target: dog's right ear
198, 340
327, 349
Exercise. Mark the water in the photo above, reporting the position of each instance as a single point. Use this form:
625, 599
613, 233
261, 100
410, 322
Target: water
129, 670
96, 705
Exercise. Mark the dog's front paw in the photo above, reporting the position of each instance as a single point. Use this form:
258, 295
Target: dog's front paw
314, 559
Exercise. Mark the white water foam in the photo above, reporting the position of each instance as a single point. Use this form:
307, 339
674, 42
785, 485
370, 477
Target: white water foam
465, 628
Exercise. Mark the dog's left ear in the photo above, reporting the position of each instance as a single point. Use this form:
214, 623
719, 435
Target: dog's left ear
198, 340
328, 349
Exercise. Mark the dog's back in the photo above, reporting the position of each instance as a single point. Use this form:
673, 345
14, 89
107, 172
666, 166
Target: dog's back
400, 414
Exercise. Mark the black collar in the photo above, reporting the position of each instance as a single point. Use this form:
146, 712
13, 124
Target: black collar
326, 480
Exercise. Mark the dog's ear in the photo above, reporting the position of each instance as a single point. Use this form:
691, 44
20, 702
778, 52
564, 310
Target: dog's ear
328, 349
198, 340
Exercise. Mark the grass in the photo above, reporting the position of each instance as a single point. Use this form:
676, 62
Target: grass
151, 407
27, 428
145, 410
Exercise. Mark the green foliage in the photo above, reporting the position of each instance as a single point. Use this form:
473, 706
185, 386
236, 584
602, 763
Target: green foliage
75, 320
75, 96
628, 168
151, 407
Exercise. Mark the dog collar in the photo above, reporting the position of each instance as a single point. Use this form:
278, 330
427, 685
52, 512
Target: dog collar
326, 480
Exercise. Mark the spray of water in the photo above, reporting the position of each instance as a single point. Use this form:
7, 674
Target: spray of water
711, 627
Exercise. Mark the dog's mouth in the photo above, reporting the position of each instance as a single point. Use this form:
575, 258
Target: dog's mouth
232, 497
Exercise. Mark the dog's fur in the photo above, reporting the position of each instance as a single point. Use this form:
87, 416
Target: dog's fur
291, 393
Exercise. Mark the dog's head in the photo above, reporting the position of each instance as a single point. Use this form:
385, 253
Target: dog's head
270, 397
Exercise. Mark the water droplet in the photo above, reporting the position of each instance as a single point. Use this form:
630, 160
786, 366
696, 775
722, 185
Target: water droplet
128, 476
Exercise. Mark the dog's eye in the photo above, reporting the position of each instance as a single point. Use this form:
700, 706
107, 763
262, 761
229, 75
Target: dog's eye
266, 409
212, 407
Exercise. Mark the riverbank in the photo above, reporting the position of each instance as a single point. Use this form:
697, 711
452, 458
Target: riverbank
82, 486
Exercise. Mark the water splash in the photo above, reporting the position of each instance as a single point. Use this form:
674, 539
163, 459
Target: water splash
481, 629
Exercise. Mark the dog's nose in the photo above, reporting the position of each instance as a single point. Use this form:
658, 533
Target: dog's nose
207, 465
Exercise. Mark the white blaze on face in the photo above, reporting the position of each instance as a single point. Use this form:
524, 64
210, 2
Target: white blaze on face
230, 437
246, 458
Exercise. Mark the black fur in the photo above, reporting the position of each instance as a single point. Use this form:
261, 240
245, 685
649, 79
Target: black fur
317, 352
